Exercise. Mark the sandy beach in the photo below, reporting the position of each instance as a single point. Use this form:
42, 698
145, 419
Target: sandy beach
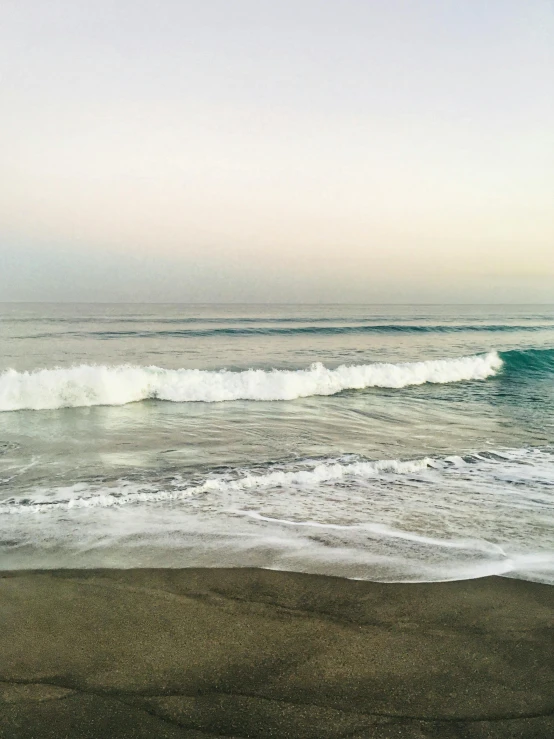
252, 653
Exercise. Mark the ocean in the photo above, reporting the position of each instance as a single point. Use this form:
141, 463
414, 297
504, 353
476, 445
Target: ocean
389, 443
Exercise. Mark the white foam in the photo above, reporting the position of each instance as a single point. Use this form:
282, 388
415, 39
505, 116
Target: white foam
429, 519
386, 531
88, 385
79, 496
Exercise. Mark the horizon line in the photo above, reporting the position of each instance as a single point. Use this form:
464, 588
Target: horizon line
257, 303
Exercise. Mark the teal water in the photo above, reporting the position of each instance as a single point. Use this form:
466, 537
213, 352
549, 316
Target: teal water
380, 442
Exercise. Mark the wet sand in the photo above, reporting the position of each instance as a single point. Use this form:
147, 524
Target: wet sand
252, 653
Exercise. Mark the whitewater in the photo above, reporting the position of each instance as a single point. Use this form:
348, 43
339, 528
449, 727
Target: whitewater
104, 385
333, 513
388, 443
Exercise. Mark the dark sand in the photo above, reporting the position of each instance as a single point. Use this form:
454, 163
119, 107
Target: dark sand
251, 653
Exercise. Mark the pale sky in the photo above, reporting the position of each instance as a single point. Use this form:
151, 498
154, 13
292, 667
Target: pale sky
271, 150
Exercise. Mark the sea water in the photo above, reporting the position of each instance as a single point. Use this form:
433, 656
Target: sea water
391, 443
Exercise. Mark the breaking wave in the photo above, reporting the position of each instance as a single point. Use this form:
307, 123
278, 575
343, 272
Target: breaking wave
327, 471
90, 385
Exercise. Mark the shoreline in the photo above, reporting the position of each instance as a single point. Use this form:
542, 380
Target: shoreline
262, 653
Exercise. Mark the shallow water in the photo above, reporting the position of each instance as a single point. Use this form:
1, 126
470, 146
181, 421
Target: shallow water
380, 442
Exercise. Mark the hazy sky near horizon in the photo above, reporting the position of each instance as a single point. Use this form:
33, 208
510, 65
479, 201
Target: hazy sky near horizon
271, 150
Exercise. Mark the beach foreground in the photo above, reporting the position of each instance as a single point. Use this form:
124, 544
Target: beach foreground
255, 653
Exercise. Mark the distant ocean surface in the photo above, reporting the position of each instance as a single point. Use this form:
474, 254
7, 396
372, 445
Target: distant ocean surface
390, 443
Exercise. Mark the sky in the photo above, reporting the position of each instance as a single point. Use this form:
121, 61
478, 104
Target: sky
277, 151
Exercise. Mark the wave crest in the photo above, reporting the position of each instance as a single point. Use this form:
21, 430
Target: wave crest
89, 385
